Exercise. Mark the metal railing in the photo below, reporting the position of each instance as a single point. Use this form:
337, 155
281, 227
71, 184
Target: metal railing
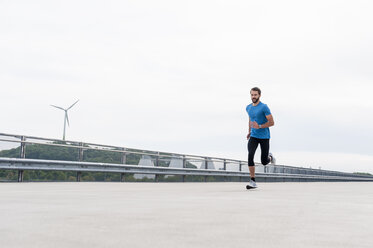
158, 163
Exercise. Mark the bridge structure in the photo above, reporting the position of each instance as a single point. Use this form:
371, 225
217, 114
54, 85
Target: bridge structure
114, 214
152, 164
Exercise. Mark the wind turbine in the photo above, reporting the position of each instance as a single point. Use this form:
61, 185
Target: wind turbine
66, 117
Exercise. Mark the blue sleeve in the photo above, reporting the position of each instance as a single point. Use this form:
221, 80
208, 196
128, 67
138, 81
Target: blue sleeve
266, 110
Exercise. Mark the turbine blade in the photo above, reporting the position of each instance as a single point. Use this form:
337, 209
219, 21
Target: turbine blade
72, 105
67, 118
57, 107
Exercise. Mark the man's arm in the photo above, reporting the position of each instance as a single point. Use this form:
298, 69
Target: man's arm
269, 123
248, 135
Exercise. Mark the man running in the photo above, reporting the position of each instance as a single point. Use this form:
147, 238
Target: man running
260, 119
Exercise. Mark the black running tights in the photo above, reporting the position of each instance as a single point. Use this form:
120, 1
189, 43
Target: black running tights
252, 145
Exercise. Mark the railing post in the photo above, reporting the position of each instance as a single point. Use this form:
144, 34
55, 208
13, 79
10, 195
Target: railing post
184, 166
240, 169
157, 160
80, 157
225, 168
206, 165
22, 155
184, 161
156, 178
123, 160
20, 176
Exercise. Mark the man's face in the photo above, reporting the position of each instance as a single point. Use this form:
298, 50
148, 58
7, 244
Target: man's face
254, 96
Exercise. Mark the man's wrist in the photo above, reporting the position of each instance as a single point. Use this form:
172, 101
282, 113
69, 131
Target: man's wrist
260, 126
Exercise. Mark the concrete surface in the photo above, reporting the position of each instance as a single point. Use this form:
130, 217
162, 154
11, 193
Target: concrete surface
186, 215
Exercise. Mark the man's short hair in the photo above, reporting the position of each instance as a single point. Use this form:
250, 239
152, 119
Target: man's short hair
257, 89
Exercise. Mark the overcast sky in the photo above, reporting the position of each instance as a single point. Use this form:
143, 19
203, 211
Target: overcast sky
176, 75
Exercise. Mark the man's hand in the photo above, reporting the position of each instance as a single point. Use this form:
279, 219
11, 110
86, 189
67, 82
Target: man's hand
254, 124
248, 136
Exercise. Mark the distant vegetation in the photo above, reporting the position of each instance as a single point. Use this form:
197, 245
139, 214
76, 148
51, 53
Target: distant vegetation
37, 151
363, 173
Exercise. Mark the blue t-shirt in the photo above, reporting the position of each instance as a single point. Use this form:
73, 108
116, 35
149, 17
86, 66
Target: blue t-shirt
258, 113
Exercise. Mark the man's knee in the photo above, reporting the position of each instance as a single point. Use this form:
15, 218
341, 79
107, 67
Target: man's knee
251, 162
265, 161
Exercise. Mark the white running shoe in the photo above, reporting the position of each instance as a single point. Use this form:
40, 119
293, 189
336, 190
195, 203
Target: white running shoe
273, 160
251, 185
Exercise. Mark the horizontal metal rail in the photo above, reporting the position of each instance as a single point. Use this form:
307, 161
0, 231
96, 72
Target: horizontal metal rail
86, 146
53, 165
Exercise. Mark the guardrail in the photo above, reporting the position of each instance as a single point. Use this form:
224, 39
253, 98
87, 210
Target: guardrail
37, 164
227, 168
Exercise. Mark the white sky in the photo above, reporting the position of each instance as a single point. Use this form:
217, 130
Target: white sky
176, 75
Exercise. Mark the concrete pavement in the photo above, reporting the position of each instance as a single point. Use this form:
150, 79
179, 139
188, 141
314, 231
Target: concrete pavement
186, 215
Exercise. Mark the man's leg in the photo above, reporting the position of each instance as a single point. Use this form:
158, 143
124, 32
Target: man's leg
252, 145
264, 146
252, 171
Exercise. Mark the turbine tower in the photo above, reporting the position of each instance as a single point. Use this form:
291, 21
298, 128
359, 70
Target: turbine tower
66, 117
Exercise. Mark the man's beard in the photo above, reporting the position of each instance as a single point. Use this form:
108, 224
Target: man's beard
255, 100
